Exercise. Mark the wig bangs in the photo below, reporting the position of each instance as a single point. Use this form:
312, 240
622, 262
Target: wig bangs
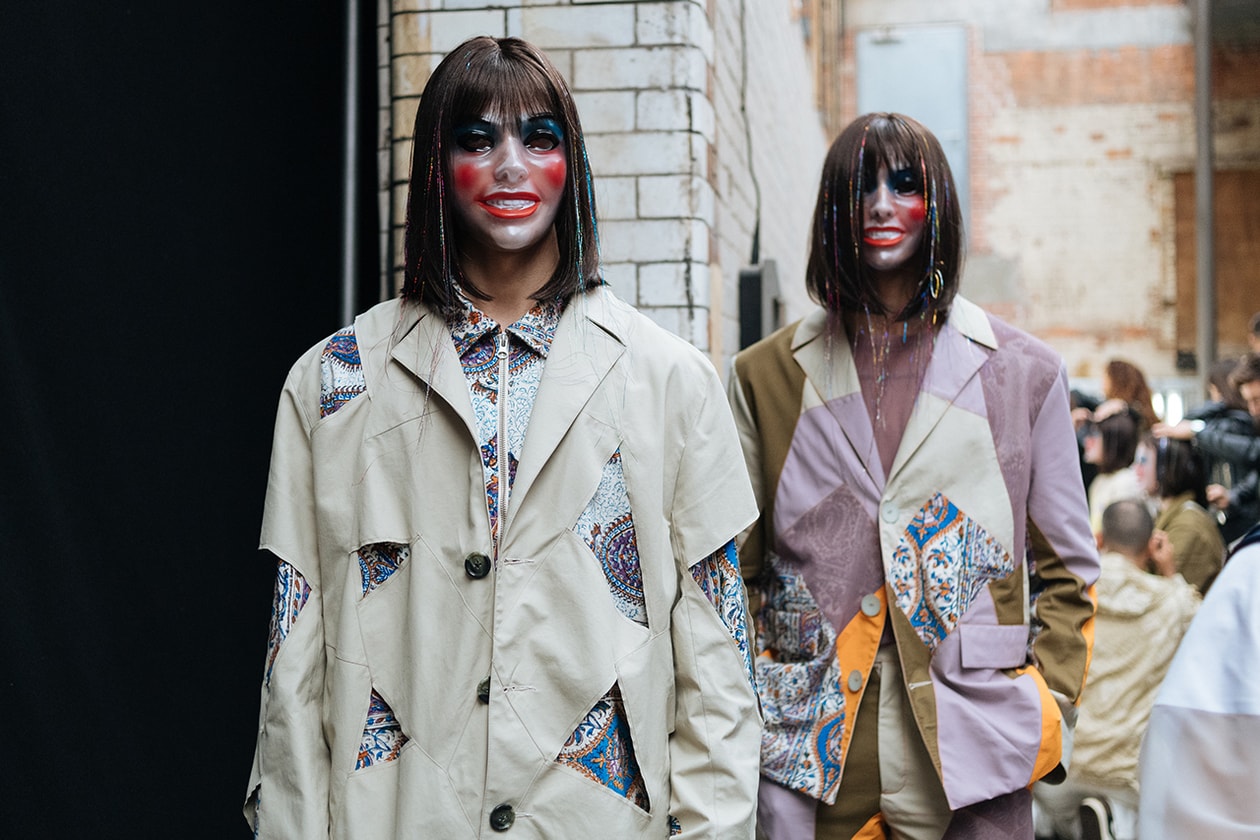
505, 90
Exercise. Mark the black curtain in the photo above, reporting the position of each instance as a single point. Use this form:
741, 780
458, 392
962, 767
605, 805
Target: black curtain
170, 193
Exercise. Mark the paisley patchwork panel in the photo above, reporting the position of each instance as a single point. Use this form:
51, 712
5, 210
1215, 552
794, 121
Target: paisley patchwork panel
607, 527
383, 738
798, 679
340, 372
378, 561
941, 562
719, 580
601, 750
292, 592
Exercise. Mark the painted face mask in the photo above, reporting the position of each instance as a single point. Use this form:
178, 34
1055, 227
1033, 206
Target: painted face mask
509, 180
893, 214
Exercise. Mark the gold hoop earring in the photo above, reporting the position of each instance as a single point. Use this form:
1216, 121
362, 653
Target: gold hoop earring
936, 284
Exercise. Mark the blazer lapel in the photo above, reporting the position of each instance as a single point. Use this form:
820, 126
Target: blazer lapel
963, 346
822, 350
587, 344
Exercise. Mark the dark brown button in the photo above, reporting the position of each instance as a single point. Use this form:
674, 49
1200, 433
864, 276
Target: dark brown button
483, 690
476, 565
502, 817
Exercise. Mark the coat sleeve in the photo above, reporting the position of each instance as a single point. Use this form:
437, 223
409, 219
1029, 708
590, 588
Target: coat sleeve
716, 743
288, 786
1064, 557
1220, 440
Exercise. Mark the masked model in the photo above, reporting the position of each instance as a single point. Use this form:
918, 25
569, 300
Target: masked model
923, 560
503, 506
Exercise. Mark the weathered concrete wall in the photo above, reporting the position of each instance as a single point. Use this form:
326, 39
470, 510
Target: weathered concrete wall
1081, 115
1079, 111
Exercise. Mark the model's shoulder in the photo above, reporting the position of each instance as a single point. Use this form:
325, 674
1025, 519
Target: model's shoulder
774, 350
1011, 344
366, 329
336, 365
1013, 338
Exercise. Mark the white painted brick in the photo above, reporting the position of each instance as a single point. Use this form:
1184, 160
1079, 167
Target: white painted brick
704, 201
674, 23
644, 241
402, 160
563, 59
399, 7
383, 42
699, 241
640, 153
667, 284
384, 127
569, 27
662, 110
665, 196
441, 32
689, 324
651, 146
478, 4
403, 117
639, 68
622, 278
616, 198
400, 204
699, 155
606, 111
703, 119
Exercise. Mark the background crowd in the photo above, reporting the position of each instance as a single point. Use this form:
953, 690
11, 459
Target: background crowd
1167, 502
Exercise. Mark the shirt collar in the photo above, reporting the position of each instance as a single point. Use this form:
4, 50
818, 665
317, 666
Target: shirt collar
536, 328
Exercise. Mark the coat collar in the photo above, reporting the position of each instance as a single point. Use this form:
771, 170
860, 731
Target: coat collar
820, 346
589, 338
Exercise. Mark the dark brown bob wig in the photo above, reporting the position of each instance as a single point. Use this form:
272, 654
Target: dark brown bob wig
500, 77
837, 277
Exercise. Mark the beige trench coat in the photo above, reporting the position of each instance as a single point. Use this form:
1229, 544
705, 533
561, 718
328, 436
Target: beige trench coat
400, 464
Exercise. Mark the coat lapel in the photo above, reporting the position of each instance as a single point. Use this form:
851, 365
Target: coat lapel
962, 347
588, 342
428, 352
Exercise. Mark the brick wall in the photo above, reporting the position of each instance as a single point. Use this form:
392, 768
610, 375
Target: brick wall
1081, 113
670, 94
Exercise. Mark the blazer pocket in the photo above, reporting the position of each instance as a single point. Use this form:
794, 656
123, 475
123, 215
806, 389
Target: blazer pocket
993, 645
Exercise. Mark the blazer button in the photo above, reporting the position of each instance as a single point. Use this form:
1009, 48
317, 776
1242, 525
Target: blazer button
502, 817
483, 690
476, 565
890, 513
855, 680
870, 605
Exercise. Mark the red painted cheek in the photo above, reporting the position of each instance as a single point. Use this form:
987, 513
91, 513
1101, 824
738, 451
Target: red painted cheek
917, 212
465, 175
554, 170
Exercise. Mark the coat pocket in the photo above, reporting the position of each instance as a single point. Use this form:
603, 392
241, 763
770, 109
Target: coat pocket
993, 645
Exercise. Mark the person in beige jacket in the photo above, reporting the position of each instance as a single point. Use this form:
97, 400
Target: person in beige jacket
1141, 619
508, 599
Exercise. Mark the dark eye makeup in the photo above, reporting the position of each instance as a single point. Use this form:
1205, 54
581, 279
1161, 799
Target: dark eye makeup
541, 134
905, 181
476, 136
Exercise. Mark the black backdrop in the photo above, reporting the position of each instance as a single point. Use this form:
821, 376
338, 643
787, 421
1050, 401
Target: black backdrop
169, 244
